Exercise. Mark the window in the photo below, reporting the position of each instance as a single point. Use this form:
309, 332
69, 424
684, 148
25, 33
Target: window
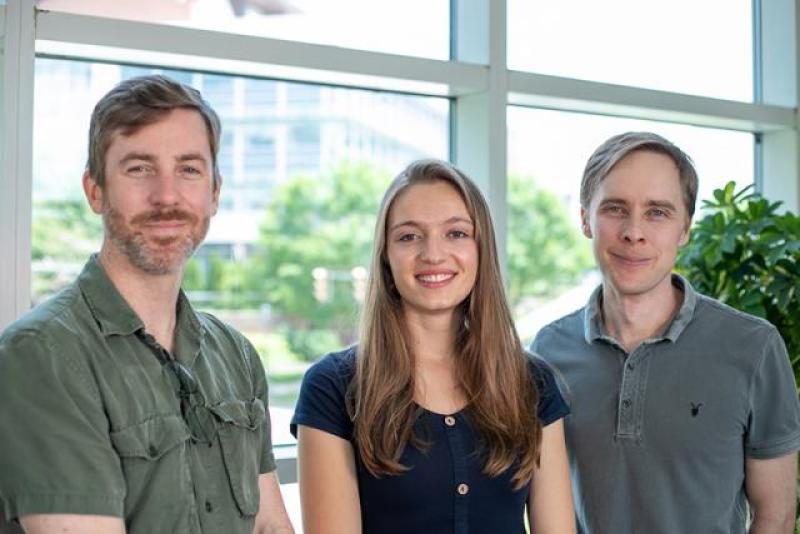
412, 27
701, 48
259, 167
297, 198
260, 97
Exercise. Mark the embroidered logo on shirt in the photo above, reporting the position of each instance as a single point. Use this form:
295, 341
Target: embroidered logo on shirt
695, 408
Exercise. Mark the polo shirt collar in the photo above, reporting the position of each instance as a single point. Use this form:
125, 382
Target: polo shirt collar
593, 328
116, 317
686, 313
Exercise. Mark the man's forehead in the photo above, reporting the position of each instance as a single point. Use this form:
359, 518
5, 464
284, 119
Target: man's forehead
149, 139
190, 120
639, 189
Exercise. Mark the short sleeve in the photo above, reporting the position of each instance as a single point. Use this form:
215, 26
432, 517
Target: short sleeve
56, 454
774, 421
261, 391
321, 403
552, 405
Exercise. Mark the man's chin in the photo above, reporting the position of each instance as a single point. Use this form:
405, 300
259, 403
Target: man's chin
159, 268
156, 255
162, 262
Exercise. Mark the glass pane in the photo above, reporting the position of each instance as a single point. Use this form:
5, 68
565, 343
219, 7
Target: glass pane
304, 170
412, 27
550, 262
685, 46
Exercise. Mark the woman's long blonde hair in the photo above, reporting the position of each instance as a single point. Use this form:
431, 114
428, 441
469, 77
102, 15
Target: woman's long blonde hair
491, 367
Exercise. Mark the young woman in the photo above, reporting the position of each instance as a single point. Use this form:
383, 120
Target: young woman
437, 421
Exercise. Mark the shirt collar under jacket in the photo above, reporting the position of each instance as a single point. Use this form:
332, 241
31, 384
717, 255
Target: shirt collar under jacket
593, 328
115, 316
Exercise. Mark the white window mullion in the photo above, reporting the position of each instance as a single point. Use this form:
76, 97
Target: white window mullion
16, 158
778, 78
479, 135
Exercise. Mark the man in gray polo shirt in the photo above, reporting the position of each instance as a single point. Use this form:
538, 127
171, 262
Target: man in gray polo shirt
683, 409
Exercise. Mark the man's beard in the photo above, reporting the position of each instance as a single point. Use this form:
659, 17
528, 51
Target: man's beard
155, 255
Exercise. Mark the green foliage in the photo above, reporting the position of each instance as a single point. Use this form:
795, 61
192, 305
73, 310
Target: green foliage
216, 283
216, 278
193, 279
747, 254
64, 233
311, 222
311, 344
64, 230
546, 251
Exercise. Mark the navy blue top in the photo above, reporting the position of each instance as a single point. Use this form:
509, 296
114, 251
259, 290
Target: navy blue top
445, 490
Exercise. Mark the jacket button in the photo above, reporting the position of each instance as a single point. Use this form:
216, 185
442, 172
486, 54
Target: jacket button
450, 420
462, 489
209, 508
152, 450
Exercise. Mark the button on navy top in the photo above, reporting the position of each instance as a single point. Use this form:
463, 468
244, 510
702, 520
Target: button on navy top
445, 489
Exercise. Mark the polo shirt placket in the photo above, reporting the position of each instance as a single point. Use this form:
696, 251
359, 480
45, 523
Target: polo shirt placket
633, 386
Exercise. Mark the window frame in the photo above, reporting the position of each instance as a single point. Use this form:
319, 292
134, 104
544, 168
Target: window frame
476, 80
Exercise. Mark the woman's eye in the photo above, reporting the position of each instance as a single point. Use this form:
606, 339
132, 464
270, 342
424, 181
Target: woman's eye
458, 234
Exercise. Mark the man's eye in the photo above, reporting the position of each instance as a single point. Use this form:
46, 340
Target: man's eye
137, 170
657, 212
191, 170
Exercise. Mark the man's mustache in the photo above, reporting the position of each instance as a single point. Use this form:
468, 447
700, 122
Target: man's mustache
167, 215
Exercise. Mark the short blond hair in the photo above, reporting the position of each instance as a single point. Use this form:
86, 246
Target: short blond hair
613, 150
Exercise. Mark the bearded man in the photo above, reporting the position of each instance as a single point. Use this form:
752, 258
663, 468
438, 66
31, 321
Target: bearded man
123, 409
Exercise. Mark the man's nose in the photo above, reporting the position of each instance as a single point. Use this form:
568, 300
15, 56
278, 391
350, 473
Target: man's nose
632, 230
164, 190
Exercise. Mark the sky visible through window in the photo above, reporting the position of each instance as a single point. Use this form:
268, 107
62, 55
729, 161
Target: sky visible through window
411, 27
685, 46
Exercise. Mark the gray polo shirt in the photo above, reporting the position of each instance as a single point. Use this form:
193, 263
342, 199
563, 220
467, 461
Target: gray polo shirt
657, 438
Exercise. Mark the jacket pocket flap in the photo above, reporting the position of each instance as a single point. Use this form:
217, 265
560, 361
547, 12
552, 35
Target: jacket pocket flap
249, 414
150, 439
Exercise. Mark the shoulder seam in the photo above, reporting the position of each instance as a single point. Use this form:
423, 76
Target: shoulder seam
734, 313
44, 338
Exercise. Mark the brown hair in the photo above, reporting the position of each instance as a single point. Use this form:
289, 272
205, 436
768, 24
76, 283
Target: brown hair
492, 368
616, 148
138, 102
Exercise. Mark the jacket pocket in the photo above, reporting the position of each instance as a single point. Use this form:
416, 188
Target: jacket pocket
158, 484
151, 439
241, 427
